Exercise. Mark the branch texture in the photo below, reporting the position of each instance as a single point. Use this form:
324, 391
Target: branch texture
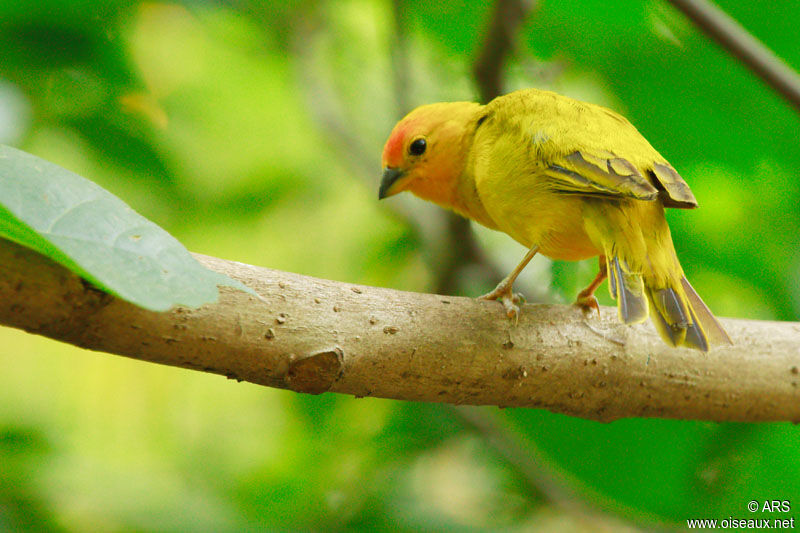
312, 335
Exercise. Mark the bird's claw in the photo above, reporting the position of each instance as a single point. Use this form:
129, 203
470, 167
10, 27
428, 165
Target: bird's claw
510, 300
587, 303
511, 305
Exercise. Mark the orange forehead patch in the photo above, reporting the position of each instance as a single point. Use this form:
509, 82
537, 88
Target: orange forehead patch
393, 150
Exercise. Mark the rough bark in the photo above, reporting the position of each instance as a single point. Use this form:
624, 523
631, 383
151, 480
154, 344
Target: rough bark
313, 335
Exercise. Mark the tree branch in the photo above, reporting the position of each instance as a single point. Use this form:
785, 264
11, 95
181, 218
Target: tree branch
312, 335
738, 42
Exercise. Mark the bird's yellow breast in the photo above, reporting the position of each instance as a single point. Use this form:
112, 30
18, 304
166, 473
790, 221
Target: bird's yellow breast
509, 179
532, 215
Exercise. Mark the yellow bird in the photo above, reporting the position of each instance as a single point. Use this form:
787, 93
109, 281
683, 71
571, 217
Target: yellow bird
567, 179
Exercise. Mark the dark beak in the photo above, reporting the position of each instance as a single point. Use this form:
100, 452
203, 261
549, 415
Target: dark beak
390, 177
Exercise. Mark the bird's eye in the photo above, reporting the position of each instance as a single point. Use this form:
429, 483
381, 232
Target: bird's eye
417, 147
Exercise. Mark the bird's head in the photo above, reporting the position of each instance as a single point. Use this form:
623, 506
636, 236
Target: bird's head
427, 150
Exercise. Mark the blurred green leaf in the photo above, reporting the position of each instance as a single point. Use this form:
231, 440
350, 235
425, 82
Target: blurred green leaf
457, 26
668, 470
22, 452
93, 233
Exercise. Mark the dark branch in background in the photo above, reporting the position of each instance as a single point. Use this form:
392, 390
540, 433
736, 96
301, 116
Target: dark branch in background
542, 481
499, 43
741, 44
506, 20
497, 433
464, 252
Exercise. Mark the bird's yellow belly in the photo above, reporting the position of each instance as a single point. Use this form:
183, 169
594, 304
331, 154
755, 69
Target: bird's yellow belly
554, 223
569, 246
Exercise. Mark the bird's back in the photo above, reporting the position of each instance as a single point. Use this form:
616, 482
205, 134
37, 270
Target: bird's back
557, 125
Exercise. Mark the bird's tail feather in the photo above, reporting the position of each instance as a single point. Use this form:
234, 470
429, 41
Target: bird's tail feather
680, 316
628, 289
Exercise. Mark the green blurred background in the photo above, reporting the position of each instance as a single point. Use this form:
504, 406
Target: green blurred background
252, 131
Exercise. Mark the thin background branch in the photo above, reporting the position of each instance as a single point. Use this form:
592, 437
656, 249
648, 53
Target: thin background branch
530, 464
399, 53
738, 42
507, 18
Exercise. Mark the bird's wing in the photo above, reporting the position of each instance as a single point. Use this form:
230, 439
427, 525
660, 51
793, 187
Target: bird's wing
676, 192
583, 149
583, 173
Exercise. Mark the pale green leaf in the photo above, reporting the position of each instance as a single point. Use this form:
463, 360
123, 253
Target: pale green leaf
87, 229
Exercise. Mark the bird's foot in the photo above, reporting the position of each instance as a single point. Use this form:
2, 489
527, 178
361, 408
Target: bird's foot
510, 300
587, 303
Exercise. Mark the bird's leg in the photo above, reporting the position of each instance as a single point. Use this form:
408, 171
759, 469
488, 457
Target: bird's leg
503, 290
586, 299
